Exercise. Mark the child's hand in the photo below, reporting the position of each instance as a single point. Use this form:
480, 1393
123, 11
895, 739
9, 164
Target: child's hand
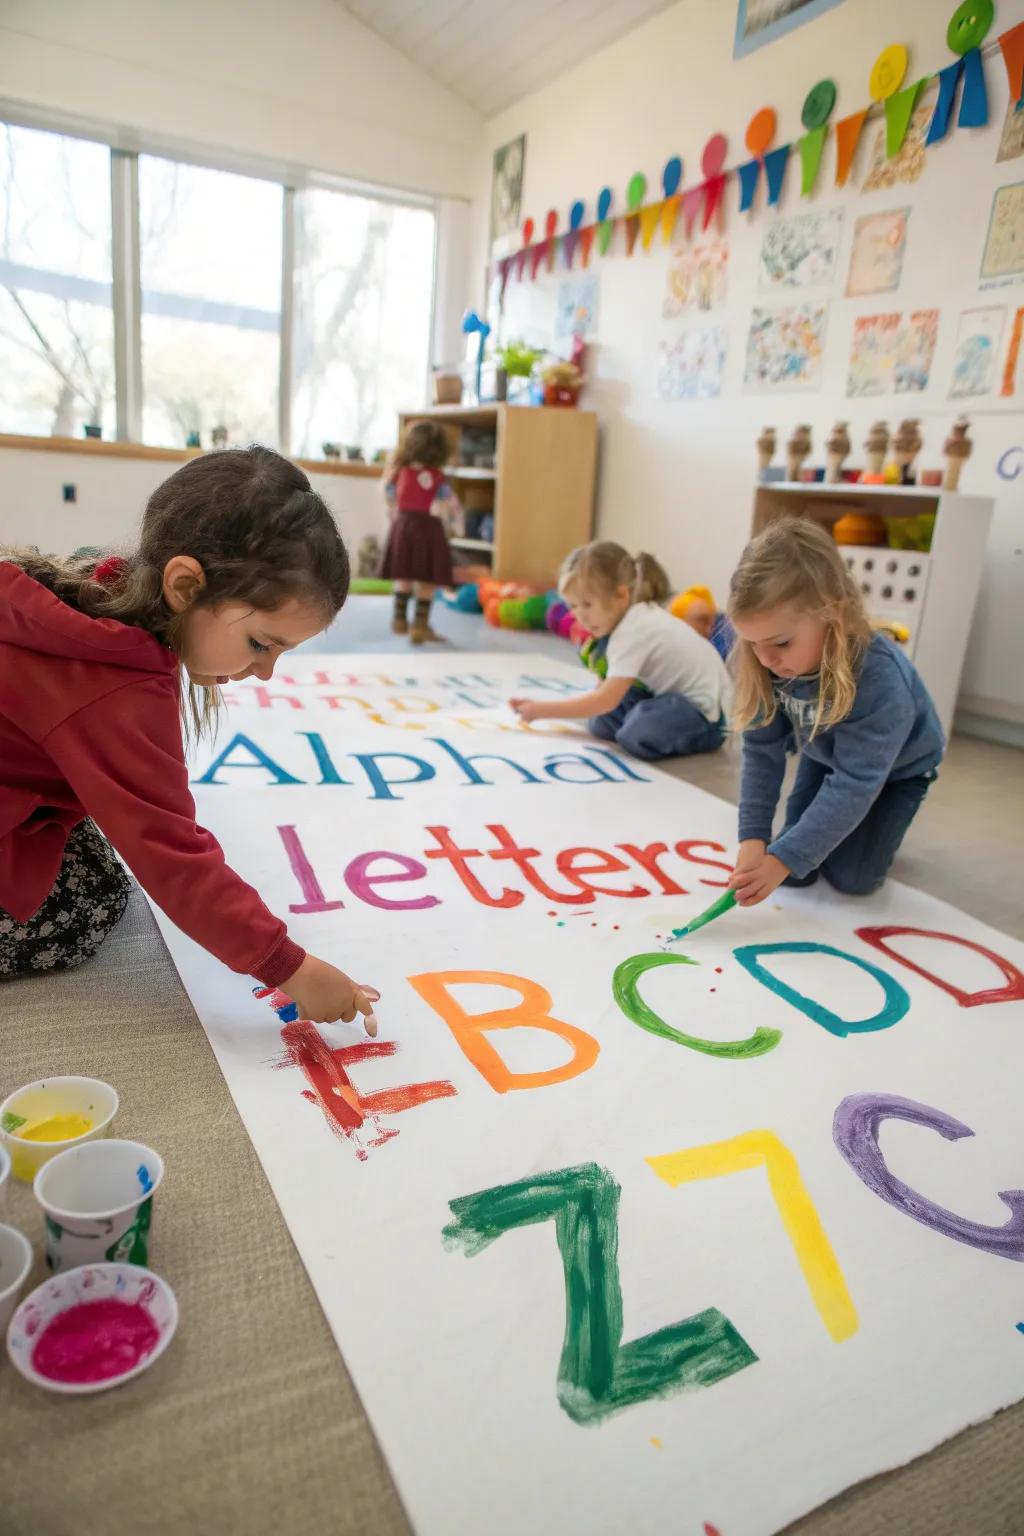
323, 994
528, 709
757, 874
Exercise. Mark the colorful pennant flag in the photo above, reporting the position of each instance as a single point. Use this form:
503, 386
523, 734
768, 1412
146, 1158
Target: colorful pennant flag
669, 214
899, 108
1012, 45
691, 208
605, 230
649, 218
810, 147
848, 131
586, 241
973, 98
775, 162
949, 79
748, 174
713, 189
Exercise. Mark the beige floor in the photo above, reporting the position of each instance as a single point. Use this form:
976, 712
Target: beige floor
250, 1424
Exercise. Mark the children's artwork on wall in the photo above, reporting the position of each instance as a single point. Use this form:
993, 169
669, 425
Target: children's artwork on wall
507, 188
909, 163
607, 1221
876, 255
1011, 140
762, 21
576, 309
1004, 246
696, 278
691, 365
801, 252
892, 354
1012, 382
977, 352
785, 348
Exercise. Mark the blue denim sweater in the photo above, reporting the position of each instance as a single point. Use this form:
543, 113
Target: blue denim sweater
892, 732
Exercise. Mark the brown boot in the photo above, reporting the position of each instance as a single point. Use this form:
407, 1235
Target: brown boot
400, 619
422, 634
399, 625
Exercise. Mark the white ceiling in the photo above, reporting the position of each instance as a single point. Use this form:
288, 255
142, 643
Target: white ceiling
491, 53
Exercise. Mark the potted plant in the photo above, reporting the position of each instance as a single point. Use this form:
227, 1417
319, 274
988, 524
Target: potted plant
562, 384
219, 437
354, 453
331, 450
515, 361
93, 429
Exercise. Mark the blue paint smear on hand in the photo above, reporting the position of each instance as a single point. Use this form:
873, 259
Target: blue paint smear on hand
142, 1174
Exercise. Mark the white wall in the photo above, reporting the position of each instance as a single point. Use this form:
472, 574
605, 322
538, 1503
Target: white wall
677, 476
112, 493
295, 81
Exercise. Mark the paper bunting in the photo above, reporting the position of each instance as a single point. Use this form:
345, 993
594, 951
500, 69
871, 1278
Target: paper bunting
748, 174
775, 162
973, 97
848, 131
949, 79
528, 232
712, 160
605, 230
649, 219
1012, 45
713, 189
569, 243
761, 130
888, 72
537, 255
818, 104
632, 223
899, 109
692, 201
810, 147
669, 214
636, 191
586, 241
671, 176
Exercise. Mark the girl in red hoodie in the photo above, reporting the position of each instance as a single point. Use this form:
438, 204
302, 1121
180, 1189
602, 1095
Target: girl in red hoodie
238, 560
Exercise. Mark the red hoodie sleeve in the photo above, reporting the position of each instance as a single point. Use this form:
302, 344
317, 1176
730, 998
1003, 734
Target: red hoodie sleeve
122, 757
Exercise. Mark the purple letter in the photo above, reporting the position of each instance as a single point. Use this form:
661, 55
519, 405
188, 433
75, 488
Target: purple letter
359, 880
855, 1133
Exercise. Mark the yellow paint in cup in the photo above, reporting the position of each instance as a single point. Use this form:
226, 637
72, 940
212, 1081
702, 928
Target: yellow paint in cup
44, 1118
57, 1128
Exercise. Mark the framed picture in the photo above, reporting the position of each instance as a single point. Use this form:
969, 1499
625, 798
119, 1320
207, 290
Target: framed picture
507, 188
762, 21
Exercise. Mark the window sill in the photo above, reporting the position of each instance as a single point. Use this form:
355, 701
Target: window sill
102, 448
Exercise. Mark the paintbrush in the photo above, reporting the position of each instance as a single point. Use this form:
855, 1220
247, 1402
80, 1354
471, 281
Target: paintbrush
716, 909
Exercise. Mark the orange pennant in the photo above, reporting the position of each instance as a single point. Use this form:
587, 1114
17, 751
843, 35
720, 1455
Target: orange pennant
1012, 44
649, 217
586, 241
669, 214
632, 223
847, 139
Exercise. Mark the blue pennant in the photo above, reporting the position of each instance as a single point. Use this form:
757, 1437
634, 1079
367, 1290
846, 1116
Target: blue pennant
974, 101
748, 175
949, 79
775, 169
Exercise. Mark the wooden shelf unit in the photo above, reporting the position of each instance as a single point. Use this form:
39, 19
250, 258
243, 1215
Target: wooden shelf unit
541, 488
933, 593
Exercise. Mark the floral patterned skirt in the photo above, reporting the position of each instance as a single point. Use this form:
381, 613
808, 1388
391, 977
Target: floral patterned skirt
87, 901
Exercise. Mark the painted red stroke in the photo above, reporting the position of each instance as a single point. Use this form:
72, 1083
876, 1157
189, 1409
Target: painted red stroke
1013, 991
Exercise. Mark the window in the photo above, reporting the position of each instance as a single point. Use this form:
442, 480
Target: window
364, 274
211, 303
56, 315
191, 263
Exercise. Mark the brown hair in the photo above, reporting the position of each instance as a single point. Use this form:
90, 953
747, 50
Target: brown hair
606, 566
796, 561
250, 517
422, 442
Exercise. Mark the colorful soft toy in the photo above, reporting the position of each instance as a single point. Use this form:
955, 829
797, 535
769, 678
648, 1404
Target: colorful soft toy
696, 607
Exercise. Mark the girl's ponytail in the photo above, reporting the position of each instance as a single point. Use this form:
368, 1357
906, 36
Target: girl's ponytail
650, 583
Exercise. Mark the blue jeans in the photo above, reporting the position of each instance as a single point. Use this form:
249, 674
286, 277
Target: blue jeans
860, 863
662, 725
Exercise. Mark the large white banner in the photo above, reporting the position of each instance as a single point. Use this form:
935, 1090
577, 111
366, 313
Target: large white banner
612, 1228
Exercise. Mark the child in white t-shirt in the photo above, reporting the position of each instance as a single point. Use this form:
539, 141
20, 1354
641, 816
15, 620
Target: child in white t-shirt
664, 689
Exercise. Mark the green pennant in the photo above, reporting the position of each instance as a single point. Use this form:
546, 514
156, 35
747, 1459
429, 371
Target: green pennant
899, 109
605, 230
810, 147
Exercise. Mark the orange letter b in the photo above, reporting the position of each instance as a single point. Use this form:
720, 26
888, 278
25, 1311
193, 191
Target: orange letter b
470, 1029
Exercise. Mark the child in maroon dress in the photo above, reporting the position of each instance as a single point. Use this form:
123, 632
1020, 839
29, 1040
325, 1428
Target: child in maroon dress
416, 556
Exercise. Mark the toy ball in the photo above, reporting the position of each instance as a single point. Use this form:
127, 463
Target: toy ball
512, 613
491, 611
566, 624
535, 610
859, 528
555, 614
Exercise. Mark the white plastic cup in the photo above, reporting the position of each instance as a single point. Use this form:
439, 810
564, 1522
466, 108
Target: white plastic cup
5, 1178
15, 1263
53, 1098
97, 1203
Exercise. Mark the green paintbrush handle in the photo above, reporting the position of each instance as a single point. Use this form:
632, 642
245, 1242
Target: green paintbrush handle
723, 904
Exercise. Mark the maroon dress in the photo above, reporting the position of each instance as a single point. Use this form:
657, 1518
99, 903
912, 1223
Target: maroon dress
417, 546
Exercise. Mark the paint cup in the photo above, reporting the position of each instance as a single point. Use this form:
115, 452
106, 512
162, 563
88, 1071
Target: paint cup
45, 1118
5, 1178
97, 1203
15, 1263
110, 1351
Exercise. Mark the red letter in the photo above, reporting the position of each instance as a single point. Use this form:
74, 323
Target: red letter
683, 850
607, 864
509, 849
458, 857
1012, 992
648, 858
